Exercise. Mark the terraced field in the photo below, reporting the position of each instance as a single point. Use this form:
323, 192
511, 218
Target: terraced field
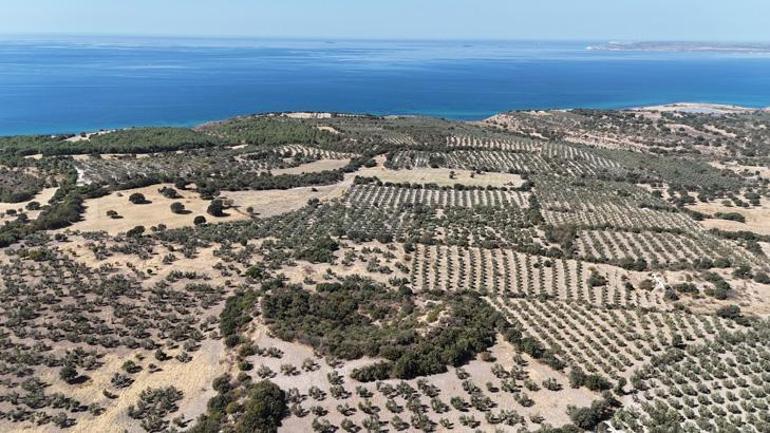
386, 196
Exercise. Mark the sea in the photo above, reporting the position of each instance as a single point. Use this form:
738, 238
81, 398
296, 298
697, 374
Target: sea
57, 84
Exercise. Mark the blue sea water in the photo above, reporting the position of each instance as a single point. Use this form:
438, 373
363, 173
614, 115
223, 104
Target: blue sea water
73, 84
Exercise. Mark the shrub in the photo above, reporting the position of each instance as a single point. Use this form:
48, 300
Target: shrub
742, 271
729, 312
594, 382
720, 291
731, 216
153, 405
646, 284
237, 312
216, 208
68, 373
318, 250
177, 207
762, 278
169, 192
264, 409
688, 288
596, 279
137, 198
370, 373
588, 418
135, 232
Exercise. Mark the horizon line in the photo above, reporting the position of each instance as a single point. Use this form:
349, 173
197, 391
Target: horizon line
367, 38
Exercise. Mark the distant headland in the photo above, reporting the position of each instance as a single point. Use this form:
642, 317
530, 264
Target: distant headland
706, 47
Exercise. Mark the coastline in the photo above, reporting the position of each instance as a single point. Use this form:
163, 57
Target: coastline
698, 107
683, 107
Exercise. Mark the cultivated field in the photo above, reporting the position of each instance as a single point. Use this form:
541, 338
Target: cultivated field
550, 271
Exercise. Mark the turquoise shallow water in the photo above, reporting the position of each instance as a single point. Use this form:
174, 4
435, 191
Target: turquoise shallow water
52, 85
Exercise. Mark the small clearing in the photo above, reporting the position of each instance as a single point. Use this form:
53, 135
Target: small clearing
441, 177
757, 218
42, 197
157, 211
279, 201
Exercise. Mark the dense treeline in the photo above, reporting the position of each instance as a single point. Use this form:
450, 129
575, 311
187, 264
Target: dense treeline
269, 130
27, 144
141, 140
135, 140
263, 181
208, 186
374, 180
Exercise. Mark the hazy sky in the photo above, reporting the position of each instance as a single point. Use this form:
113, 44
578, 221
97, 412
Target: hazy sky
713, 20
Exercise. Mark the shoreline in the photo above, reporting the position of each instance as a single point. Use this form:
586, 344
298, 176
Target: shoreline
698, 107
683, 107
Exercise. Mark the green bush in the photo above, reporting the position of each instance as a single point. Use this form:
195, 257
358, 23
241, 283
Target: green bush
177, 207
216, 208
588, 418
264, 409
730, 216
237, 312
137, 198
319, 249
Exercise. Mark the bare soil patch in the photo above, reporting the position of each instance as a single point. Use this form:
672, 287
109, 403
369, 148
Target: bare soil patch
42, 197
157, 211
757, 218
441, 177
278, 201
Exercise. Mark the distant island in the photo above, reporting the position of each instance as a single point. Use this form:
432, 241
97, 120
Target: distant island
714, 47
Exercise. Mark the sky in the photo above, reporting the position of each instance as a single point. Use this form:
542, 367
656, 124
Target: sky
627, 20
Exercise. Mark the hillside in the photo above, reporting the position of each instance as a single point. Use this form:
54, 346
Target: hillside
552, 271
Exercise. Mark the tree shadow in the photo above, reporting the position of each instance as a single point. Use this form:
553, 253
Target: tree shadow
79, 380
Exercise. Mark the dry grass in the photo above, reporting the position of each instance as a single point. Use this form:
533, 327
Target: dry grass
193, 379
762, 172
329, 129
752, 297
42, 197
441, 177
275, 202
150, 214
264, 203
757, 218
